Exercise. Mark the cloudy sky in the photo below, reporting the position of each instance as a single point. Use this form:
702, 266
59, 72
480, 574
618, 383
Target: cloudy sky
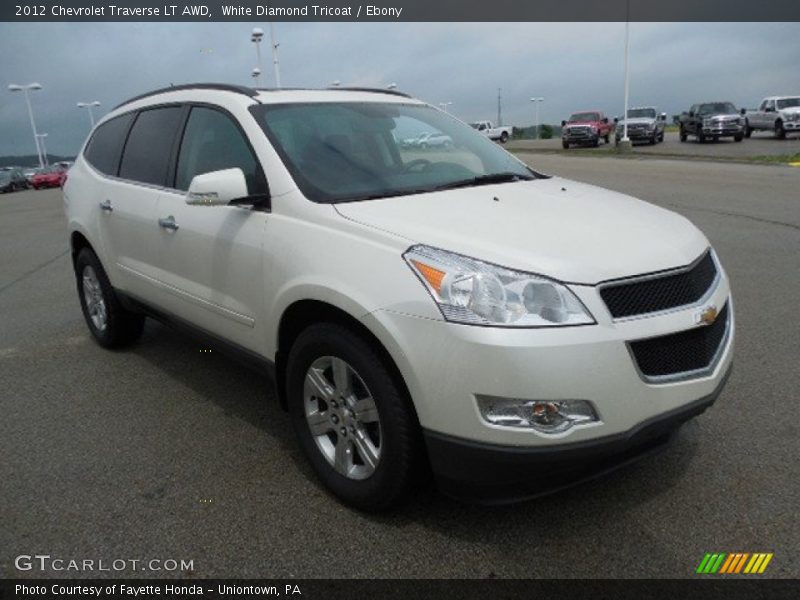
574, 66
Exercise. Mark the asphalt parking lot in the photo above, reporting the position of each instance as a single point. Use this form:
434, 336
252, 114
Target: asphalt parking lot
761, 143
166, 451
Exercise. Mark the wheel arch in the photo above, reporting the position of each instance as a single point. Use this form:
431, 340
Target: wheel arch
301, 314
77, 242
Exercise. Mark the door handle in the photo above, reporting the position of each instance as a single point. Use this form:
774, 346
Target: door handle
168, 223
105, 206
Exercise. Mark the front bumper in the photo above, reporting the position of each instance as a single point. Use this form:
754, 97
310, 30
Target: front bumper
493, 474
791, 125
581, 138
637, 135
446, 365
724, 130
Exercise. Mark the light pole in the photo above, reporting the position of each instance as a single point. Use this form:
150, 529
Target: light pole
88, 106
41, 137
256, 36
444, 106
625, 141
536, 101
275, 55
25, 89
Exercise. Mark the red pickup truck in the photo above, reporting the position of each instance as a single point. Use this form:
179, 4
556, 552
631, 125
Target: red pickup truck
585, 128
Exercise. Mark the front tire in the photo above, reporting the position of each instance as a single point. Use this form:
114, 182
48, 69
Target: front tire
565, 145
352, 420
780, 132
109, 323
682, 136
504, 137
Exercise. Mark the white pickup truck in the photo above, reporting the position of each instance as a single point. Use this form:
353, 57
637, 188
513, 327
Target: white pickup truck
501, 132
780, 114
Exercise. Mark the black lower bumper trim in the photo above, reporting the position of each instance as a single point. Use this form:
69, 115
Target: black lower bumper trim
494, 474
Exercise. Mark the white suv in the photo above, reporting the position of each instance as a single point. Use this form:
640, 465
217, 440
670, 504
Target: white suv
447, 311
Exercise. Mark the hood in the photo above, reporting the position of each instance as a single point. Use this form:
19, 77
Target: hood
791, 110
638, 121
554, 227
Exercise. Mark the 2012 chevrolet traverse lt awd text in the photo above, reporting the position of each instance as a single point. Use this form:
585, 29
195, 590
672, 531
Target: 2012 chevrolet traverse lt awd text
444, 310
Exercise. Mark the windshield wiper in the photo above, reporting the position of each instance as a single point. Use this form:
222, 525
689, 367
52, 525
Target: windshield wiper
505, 177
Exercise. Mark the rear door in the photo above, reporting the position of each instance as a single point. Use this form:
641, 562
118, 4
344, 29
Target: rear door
211, 259
124, 196
128, 208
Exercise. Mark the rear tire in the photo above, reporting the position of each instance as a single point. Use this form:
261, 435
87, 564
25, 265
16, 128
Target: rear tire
738, 138
701, 138
565, 145
370, 457
682, 135
111, 325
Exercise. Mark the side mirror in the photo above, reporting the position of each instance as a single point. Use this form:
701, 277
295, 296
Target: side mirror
605, 119
563, 123
663, 116
217, 188
743, 111
616, 119
691, 113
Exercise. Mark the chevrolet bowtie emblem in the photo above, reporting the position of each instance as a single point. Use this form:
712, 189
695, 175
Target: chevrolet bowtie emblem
707, 316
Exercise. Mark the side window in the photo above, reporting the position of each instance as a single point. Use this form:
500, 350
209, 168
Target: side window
149, 146
763, 106
771, 104
212, 142
104, 148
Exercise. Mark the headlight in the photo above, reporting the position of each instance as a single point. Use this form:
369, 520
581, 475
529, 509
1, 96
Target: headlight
792, 116
594, 129
706, 122
651, 126
473, 292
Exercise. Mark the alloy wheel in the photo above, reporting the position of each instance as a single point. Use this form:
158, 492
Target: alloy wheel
342, 417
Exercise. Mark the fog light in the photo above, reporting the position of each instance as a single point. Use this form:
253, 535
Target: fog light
545, 416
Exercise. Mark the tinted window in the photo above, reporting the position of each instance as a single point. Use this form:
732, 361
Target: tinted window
104, 148
147, 151
212, 142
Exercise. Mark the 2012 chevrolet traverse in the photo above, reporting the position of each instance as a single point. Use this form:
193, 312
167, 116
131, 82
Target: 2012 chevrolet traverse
444, 309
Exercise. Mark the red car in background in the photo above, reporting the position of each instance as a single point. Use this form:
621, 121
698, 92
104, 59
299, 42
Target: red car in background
51, 177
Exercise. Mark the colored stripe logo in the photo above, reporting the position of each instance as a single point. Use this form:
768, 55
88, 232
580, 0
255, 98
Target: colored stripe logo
734, 563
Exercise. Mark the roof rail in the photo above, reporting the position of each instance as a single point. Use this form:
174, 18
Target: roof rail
239, 89
374, 90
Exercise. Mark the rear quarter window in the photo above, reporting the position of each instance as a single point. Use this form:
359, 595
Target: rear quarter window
104, 148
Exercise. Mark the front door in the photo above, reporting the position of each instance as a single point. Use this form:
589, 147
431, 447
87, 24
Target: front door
211, 257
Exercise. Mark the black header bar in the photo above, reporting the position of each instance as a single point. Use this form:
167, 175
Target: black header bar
405, 10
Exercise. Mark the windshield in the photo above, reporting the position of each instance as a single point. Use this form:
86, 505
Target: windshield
788, 102
642, 113
343, 151
589, 116
717, 108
